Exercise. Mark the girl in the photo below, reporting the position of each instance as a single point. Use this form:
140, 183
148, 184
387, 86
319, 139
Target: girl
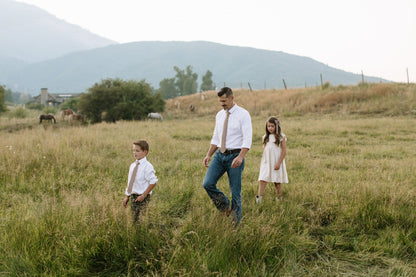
272, 166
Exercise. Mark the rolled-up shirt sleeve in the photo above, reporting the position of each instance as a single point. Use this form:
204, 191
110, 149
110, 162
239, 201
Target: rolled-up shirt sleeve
247, 131
216, 135
150, 174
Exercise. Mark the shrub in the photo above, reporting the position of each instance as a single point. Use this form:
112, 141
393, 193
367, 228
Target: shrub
19, 112
115, 99
35, 106
47, 110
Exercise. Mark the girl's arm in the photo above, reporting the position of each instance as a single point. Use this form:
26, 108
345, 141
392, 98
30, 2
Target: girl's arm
282, 155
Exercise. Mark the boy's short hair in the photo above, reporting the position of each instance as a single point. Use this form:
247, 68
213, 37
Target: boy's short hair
225, 90
142, 144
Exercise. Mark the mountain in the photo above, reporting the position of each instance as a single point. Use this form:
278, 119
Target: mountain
30, 34
38, 50
231, 65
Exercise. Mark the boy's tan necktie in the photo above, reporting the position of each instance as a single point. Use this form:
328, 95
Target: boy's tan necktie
133, 176
224, 132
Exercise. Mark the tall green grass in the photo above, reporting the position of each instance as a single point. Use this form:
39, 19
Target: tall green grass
348, 208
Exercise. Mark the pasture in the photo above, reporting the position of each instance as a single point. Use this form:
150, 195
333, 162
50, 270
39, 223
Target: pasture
349, 207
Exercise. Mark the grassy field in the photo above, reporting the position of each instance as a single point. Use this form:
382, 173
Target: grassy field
348, 210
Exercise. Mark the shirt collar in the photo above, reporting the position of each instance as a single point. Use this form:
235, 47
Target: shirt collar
141, 160
233, 108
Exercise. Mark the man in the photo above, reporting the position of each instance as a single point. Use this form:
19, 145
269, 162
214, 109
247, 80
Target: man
233, 147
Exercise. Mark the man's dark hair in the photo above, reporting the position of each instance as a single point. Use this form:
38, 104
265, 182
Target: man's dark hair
225, 90
142, 144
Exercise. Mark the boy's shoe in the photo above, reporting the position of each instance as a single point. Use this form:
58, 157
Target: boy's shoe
259, 199
227, 212
279, 199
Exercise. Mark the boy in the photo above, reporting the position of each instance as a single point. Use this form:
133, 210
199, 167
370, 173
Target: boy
141, 179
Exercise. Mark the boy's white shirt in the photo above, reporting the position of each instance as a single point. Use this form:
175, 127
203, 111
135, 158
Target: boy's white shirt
144, 177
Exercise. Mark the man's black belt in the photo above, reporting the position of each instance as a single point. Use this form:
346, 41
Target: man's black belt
231, 151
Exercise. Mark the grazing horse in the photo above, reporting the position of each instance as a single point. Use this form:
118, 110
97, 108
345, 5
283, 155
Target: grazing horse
76, 117
192, 107
66, 112
157, 116
48, 117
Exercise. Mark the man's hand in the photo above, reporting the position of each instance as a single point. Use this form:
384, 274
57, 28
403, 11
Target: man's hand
206, 161
237, 162
125, 201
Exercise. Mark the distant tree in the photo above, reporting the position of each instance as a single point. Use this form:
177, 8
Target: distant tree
184, 83
16, 97
186, 80
207, 83
71, 103
2, 99
34, 106
8, 96
116, 99
168, 89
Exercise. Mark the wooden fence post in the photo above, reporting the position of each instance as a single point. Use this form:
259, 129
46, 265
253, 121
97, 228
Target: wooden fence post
284, 83
322, 83
407, 72
249, 86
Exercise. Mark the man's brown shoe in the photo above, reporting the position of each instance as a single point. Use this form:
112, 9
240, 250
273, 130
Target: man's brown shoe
228, 211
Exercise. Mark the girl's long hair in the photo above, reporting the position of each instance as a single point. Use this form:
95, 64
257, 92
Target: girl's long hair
278, 131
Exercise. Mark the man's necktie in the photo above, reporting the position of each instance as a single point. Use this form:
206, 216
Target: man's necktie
224, 132
133, 176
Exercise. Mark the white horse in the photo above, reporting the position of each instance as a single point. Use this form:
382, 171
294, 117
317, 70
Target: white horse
157, 116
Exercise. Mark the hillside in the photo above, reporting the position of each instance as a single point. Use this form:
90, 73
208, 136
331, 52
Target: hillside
31, 34
154, 61
360, 100
368, 100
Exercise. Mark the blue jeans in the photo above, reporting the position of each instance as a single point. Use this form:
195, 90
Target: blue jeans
220, 164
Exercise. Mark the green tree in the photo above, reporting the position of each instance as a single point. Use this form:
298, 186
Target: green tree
186, 80
2, 99
207, 83
71, 103
168, 89
16, 97
116, 99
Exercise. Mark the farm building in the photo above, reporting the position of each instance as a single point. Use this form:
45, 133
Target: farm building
52, 100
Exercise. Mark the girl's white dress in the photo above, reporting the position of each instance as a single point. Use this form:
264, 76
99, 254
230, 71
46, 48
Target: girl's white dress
271, 155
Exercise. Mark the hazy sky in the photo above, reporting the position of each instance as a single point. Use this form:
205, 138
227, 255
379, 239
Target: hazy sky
377, 37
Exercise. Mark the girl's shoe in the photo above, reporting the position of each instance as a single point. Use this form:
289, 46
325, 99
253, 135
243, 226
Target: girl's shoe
259, 199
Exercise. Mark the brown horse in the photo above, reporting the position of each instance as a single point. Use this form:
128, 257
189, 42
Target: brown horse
48, 117
66, 112
76, 117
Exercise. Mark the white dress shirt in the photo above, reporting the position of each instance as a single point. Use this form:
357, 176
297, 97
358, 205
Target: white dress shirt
239, 130
144, 177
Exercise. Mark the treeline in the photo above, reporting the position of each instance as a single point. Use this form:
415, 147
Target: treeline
116, 99
184, 83
9, 96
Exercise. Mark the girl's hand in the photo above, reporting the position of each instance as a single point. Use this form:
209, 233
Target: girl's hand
277, 166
